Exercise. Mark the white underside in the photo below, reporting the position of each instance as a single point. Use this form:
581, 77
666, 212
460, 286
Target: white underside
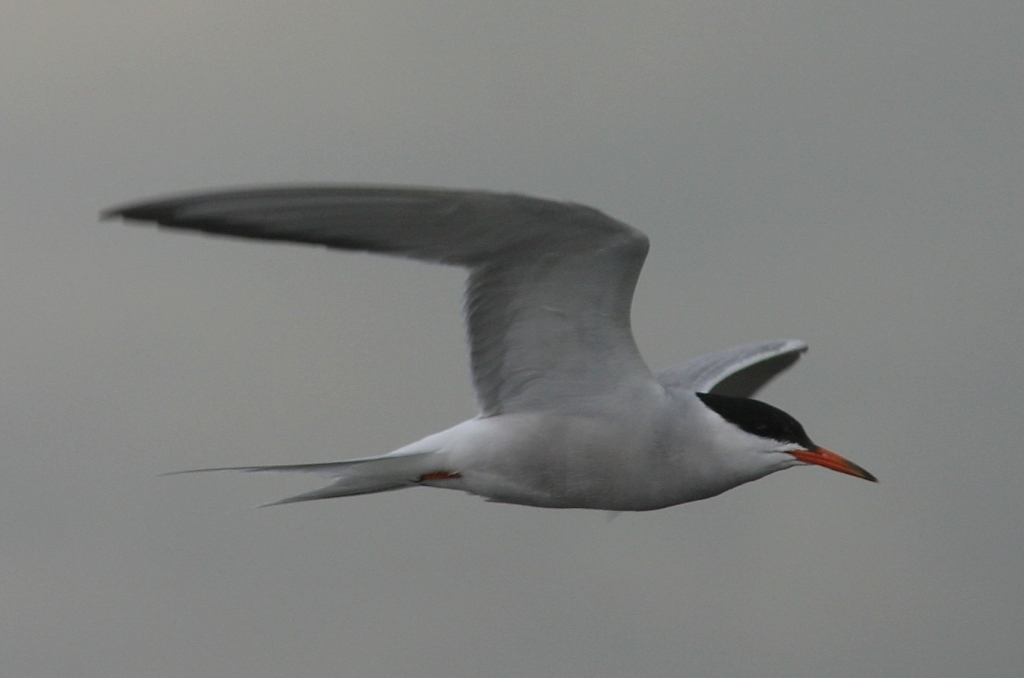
655, 451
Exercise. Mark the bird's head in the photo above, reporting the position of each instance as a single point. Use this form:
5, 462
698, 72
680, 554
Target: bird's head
776, 439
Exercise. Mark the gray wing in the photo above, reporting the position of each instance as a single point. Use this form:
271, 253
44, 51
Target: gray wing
740, 371
550, 283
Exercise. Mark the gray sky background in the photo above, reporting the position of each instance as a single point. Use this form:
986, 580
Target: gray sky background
845, 173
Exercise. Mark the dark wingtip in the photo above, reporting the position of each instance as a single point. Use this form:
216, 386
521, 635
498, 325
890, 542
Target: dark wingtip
147, 212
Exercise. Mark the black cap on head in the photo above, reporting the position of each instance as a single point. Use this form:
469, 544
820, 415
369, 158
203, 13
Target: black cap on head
759, 419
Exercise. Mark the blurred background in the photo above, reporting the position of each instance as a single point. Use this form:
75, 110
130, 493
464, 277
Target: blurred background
849, 174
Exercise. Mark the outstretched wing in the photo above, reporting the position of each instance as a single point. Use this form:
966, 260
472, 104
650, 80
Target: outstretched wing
550, 283
740, 371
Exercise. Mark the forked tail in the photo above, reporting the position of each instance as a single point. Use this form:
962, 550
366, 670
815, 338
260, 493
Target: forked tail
355, 476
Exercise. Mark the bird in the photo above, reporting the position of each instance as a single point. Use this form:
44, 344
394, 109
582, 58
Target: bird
570, 415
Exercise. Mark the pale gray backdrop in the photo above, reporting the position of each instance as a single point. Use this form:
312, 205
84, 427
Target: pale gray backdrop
845, 173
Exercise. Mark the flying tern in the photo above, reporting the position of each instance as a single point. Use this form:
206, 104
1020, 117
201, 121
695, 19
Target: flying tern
570, 415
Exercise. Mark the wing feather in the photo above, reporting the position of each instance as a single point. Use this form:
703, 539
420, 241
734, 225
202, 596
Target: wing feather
740, 371
550, 286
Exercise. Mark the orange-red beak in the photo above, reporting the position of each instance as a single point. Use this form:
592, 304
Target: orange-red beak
823, 457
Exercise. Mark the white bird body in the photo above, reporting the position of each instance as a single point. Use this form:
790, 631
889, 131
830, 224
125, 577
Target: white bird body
571, 417
655, 454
